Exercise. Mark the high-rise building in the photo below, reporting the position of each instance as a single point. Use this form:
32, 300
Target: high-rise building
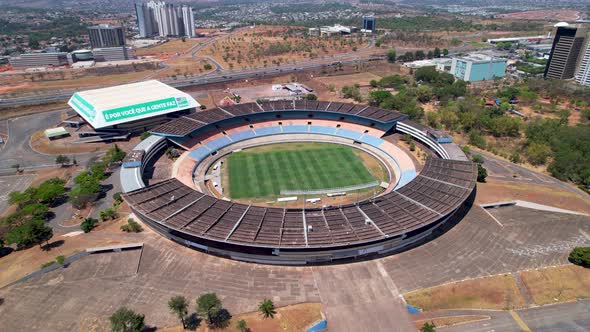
565, 52
160, 18
106, 35
146, 22
369, 23
583, 73
188, 21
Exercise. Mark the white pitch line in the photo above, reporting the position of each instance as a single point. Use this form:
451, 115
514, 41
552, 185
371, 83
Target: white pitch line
489, 214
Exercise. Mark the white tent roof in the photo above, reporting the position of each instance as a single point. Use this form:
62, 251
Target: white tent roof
129, 102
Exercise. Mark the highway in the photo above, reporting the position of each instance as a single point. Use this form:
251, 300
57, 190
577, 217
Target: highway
219, 75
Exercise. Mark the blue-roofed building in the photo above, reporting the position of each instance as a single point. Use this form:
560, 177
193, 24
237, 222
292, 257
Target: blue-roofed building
478, 67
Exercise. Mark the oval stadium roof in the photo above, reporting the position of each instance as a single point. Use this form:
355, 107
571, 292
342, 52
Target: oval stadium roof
106, 107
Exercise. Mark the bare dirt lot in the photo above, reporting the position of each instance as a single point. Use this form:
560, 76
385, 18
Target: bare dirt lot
168, 48
498, 292
495, 191
557, 284
548, 14
272, 45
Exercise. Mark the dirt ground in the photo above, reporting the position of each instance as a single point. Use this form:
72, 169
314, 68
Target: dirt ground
22, 262
557, 284
495, 191
243, 49
497, 292
293, 318
548, 14
339, 81
168, 48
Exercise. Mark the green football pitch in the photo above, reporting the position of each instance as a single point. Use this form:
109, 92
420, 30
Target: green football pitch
265, 171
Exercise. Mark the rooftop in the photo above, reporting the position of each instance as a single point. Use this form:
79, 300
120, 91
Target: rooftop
480, 58
128, 102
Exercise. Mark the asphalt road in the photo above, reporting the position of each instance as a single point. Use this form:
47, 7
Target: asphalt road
17, 149
506, 171
564, 317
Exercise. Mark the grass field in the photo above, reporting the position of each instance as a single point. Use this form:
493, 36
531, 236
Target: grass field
265, 171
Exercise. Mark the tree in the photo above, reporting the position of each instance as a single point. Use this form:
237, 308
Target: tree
267, 308
126, 320
445, 52
50, 190
311, 96
29, 233
62, 160
537, 153
391, 55
580, 256
424, 93
207, 66
379, 96
482, 173
208, 306
428, 327
178, 305
88, 224
241, 325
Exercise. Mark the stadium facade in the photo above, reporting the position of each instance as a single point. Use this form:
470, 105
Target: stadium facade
415, 207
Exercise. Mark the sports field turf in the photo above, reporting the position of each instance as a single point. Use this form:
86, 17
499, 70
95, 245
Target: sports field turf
265, 171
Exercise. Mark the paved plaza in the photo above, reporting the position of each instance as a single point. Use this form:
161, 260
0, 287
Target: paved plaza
354, 296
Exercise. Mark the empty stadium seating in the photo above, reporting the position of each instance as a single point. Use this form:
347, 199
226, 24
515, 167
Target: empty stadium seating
441, 188
187, 124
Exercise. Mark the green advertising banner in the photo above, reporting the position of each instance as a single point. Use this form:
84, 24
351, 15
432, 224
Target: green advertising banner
83, 106
132, 111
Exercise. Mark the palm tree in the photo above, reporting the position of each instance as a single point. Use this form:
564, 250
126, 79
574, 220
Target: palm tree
241, 325
178, 305
267, 308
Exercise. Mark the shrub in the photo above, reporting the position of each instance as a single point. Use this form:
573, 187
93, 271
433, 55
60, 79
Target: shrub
580, 256
44, 265
88, 224
60, 259
107, 214
117, 197
477, 159
476, 139
131, 227
145, 135
482, 173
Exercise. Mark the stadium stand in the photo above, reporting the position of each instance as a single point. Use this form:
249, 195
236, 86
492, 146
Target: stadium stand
299, 236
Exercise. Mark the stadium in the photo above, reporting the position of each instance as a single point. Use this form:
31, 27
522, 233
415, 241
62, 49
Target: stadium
298, 182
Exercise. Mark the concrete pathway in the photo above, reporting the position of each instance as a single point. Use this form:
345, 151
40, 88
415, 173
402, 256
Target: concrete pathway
361, 297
